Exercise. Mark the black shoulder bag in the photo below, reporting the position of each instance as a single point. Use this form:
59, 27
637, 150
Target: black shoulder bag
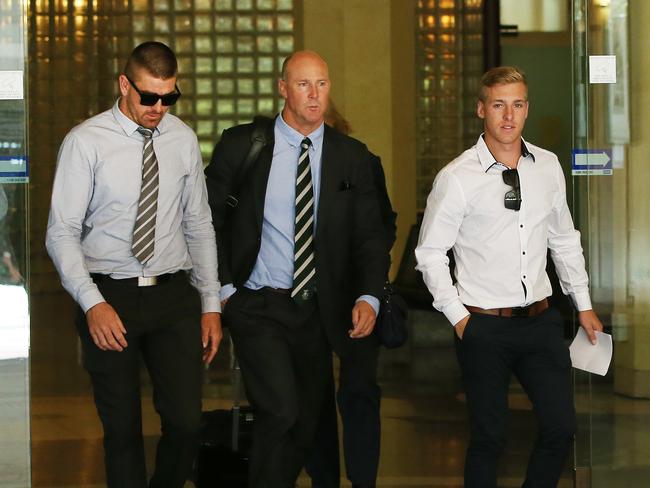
391, 327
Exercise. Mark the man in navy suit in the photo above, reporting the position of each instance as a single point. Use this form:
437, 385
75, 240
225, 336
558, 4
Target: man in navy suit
295, 291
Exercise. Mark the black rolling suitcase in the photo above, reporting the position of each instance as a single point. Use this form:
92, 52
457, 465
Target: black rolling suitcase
226, 438
226, 435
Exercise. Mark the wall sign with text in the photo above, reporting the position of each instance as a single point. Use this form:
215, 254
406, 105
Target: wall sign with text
591, 162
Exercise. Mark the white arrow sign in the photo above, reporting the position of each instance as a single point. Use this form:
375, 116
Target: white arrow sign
592, 159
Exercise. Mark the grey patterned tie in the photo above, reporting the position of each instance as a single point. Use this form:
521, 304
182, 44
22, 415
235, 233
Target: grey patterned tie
304, 266
144, 232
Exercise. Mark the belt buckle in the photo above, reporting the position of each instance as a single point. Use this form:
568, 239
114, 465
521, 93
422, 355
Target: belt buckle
306, 294
147, 280
521, 311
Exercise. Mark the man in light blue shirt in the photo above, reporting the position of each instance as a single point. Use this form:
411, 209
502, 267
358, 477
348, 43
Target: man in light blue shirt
131, 236
303, 259
274, 264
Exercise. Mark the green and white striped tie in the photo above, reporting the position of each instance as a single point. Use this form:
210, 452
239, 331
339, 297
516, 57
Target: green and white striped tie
304, 266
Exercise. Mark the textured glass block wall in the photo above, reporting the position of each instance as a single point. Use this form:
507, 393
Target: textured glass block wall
450, 63
230, 54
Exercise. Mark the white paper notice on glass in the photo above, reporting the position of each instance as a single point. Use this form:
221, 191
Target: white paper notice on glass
589, 357
602, 69
11, 85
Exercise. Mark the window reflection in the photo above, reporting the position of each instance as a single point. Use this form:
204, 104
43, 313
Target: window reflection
14, 319
536, 15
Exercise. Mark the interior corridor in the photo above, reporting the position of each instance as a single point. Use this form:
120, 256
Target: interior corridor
423, 417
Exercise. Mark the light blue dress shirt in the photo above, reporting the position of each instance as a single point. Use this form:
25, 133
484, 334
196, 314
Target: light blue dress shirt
95, 201
274, 266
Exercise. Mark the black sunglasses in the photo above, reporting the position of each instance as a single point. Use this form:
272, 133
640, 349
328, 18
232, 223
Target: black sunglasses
512, 199
150, 99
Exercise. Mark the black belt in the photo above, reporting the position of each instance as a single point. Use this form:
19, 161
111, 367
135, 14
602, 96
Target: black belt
139, 281
281, 291
529, 311
304, 295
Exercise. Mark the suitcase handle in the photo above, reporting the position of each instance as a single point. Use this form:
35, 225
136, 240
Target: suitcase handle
236, 397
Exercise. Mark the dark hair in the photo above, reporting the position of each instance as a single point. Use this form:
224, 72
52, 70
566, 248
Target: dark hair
501, 75
154, 57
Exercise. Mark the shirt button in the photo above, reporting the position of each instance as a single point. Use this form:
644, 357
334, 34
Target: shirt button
521, 226
524, 276
524, 253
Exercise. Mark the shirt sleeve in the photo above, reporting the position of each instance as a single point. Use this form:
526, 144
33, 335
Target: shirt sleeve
227, 291
199, 235
442, 219
71, 194
370, 300
566, 249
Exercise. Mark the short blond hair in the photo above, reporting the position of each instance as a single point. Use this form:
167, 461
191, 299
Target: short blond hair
501, 75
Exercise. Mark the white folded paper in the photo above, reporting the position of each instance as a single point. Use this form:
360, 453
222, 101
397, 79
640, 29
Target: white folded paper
590, 357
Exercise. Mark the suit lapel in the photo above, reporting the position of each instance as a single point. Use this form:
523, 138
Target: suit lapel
329, 179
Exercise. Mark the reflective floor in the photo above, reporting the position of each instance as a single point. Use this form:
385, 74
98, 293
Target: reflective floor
423, 415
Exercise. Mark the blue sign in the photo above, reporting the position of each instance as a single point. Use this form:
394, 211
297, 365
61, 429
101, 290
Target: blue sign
591, 162
14, 169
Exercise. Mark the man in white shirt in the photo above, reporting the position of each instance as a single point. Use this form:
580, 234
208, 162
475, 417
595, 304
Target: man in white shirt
130, 233
500, 205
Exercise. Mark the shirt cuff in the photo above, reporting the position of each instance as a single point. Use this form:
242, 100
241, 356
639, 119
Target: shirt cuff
455, 312
90, 298
372, 301
582, 301
210, 303
227, 291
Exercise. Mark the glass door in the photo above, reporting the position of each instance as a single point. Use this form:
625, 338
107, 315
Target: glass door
14, 308
611, 201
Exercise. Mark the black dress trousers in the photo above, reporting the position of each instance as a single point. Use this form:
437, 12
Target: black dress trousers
285, 361
163, 329
358, 398
533, 349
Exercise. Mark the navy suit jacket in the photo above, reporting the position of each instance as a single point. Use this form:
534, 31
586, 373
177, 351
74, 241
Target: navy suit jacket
350, 241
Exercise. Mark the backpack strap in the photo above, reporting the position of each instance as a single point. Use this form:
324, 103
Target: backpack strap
259, 139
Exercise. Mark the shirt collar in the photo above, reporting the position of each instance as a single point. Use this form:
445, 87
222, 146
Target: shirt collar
294, 138
487, 160
128, 125
525, 152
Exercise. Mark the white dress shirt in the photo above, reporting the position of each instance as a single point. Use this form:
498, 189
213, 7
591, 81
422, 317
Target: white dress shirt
95, 201
500, 254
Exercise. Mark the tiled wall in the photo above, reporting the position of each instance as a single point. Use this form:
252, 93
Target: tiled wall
449, 65
230, 54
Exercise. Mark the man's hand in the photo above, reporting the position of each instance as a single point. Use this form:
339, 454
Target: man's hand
363, 320
460, 326
211, 335
106, 328
590, 322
